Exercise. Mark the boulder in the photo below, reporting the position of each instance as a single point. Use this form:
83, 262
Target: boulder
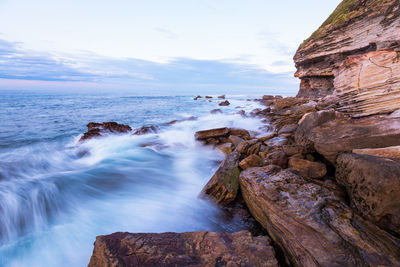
242, 133
344, 135
183, 249
286, 102
223, 186
312, 224
221, 97
100, 129
251, 161
388, 152
306, 168
225, 148
291, 150
242, 147
235, 140
146, 129
373, 184
276, 157
224, 103
212, 133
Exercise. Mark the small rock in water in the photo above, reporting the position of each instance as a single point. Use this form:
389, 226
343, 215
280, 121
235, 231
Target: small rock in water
224, 103
145, 130
99, 129
216, 111
221, 97
207, 96
197, 97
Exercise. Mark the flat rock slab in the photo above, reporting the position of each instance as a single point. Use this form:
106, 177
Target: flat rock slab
312, 224
373, 184
212, 133
185, 249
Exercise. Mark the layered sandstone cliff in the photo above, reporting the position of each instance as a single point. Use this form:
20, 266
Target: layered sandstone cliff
355, 56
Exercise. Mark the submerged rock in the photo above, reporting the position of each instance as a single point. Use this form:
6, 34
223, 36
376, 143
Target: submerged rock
146, 129
221, 97
224, 103
186, 249
373, 184
223, 186
100, 129
312, 224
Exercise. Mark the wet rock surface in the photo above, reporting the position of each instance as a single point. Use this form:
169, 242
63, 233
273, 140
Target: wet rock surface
100, 129
312, 224
373, 185
186, 249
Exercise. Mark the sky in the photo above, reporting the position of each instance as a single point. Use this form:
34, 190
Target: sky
155, 46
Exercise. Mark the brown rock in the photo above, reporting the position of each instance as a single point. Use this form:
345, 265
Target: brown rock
291, 150
267, 137
373, 184
251, 161
212, 133
221, 97
254, 149
288, 129
207, 96
197, 97
100, 129
185, 249
388, 152
306, 168
145, 130
311, 223
224, 103
242, 133
223, 186
235, 140
344, 135
225, 148
242, 147
276, 157
282, 103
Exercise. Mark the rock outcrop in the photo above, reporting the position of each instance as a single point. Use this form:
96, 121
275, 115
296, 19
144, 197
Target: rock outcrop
355, 55
373, 184
311, 222
100, 129
185, 249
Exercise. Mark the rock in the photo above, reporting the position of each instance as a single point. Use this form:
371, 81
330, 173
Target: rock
309, 123
224, 103
251, 161
291, 150
185, 249
212, 133
207, 96
235, 140
225, 148
288, 129
191, 118
241, 112
355, 28
254, 149
369, 84
242, 133
388, 152
100, 129
145, 130
242, 147
197, 97
221, 97
267, 137
216, 111
373, 184
282, 103
223, 186
311, 223
306, 168
344, 135
277, 158
267, 97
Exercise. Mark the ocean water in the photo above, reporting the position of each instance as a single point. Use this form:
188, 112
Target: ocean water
57, 195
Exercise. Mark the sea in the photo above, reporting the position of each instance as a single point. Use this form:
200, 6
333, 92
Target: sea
57, 194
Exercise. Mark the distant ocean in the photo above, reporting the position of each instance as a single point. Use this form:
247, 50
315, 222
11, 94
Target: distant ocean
56, 196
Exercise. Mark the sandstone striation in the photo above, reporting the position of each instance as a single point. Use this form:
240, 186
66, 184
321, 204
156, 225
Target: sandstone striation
185, 249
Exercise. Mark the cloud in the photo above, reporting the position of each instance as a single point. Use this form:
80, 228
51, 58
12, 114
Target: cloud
177, 76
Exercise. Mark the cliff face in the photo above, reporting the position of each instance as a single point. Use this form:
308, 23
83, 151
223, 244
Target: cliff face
355, 56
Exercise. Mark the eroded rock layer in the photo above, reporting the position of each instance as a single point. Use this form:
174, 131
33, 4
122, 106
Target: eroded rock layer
355, 54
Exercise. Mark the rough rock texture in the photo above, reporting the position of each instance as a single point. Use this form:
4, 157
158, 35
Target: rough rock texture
369, 83
306, 168
344, 135
251, 161
224, 185
373, 184
388, 152
311, 223
185, 249
100, 129
212, 133
333, 58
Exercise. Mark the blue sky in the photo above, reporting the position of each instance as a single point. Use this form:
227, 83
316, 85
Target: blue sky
157, 46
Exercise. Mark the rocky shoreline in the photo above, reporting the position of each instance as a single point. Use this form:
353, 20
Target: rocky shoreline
323, 180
